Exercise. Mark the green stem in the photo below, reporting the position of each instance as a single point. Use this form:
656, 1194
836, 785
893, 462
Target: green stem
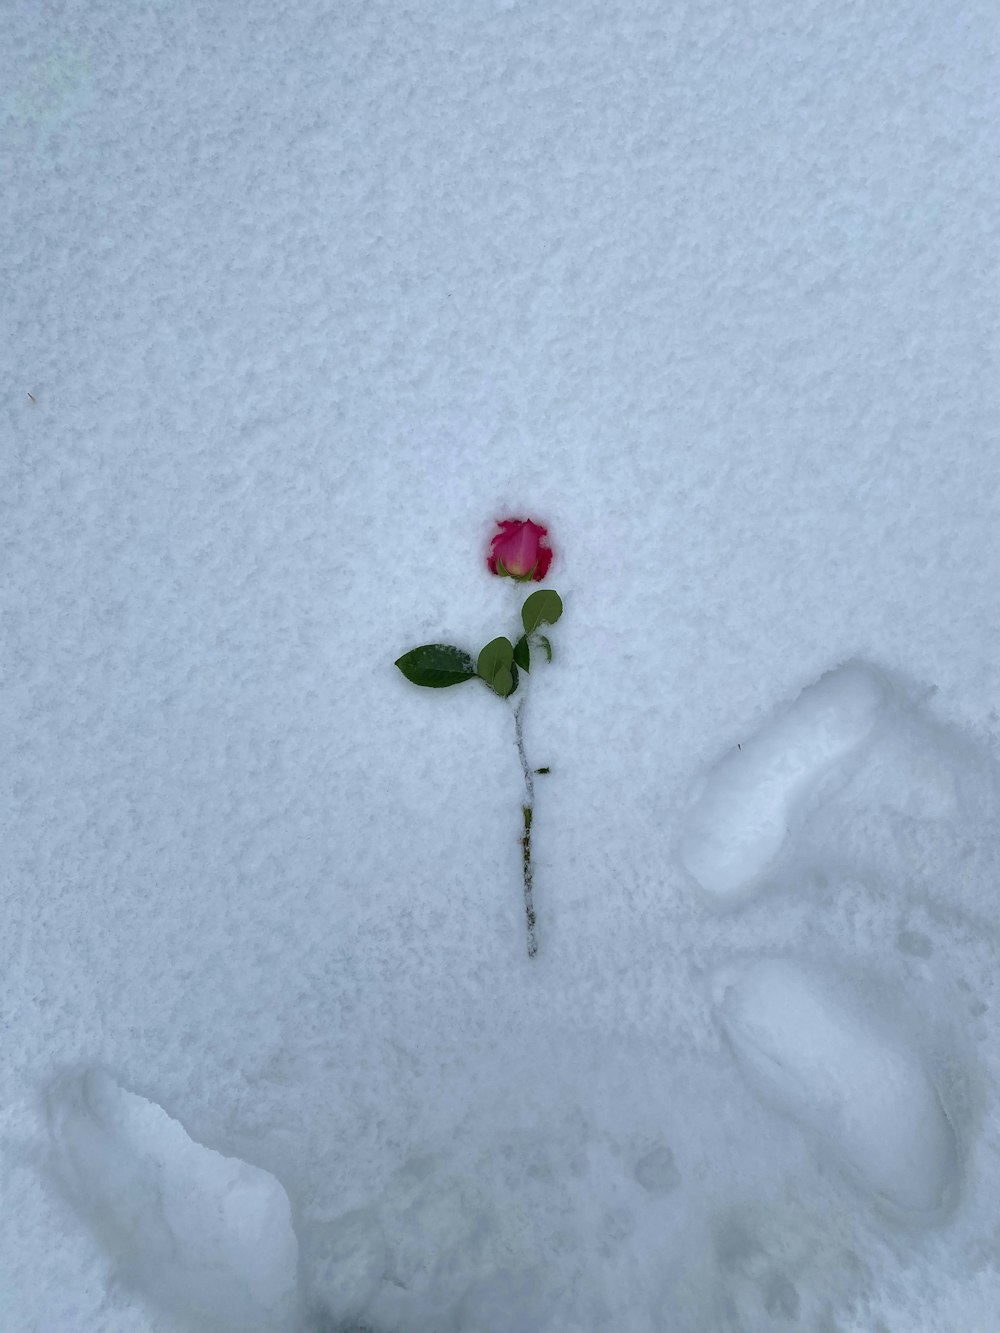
526, 811
529, 904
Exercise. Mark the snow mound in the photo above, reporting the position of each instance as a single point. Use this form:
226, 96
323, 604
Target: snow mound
739, 821
813, 1054
208, 1237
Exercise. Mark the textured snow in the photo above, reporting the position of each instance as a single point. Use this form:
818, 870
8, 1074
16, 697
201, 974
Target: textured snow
298, 299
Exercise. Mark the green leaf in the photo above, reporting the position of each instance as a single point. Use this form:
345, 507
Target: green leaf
503, 682
436, 665
542, 608
521, 655
547, 646
497, 657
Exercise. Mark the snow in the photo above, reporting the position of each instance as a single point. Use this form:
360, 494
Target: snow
209, 1235
828, 1067
301, 299
742, 815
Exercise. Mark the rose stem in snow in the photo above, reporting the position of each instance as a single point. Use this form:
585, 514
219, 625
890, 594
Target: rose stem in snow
526, 809
517, 552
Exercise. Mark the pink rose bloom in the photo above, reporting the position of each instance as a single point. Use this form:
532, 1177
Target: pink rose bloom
517, 551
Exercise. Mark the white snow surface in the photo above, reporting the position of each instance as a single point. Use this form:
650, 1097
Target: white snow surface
298, 300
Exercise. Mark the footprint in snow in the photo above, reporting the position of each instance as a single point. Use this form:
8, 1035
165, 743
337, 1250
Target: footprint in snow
806, 1043
207, 1237
808, 1048
740, 821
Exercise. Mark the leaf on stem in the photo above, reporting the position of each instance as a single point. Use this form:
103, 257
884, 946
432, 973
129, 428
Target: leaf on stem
503, 682
496, 667
521, 655
436, 665
541, 608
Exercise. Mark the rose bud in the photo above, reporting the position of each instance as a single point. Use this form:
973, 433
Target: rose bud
517, 551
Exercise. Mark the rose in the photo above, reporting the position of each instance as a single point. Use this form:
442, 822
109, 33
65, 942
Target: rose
518, 552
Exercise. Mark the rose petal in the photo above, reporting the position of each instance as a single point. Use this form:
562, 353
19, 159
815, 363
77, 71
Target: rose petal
544, 560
